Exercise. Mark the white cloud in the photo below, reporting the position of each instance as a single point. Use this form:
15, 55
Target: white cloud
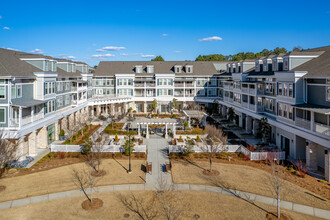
101, 56
12, 49
36, 51
177, 51
147, 56
164, 35
214, 38
63, 56
0, 17
110, 48
6, 28
128, 54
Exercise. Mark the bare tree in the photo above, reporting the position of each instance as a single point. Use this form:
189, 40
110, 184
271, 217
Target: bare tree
142, 207
84, 180
216, 139
92, 151
171, 200
277, 178
8, 152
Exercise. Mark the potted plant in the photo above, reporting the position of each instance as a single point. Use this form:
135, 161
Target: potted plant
116, 138
61, 135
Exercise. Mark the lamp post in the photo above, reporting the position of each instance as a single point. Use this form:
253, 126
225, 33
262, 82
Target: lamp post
129, 148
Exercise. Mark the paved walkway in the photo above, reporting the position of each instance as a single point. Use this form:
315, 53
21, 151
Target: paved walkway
157, 155
249, 197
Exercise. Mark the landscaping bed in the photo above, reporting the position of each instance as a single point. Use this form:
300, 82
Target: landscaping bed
82, 135
115, 128
59, 159
192, 131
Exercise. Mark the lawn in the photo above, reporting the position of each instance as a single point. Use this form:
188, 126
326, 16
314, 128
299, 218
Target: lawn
116, 128
244, 178
60, 179
203, 204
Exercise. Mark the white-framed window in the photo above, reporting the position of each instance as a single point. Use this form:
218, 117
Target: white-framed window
13, 91
67, 99
60, 101
138, 69
18, 91
285, 111
150, 69
2, 115
67, 86
2, 92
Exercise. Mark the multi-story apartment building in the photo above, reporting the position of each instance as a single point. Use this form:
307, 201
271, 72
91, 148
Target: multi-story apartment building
40, 95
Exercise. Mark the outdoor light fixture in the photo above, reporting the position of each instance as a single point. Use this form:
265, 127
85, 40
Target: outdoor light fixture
129, 148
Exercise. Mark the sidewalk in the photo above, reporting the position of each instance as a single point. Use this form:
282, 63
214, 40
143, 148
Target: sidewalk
157, 155
180, 187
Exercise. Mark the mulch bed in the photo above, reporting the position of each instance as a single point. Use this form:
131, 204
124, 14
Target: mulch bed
273, 216
96, 204
2, 188
99, 173
211, 173
88, 133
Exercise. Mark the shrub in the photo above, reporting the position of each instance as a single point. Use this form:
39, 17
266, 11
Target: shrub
180, 139
246, 157
116, 138
62, 155
173, 115
301, 168
61, 132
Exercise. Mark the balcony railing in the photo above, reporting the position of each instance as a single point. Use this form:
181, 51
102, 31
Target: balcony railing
139, 84
178, 95
178, 85
260, 92
244, 104
252, 91
189, 85
139, 94
303, 123
252, 107
244, 89
322, 129
151, 84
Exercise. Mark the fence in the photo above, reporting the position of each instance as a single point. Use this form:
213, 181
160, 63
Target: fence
232, 149
104, 148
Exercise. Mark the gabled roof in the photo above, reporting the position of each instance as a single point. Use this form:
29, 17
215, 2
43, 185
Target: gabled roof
319, 66
11, 65
110, 68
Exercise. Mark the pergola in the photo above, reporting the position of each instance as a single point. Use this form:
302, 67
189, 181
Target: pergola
155, 121
201, 116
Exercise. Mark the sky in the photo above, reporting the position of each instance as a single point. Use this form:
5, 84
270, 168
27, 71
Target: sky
92, 31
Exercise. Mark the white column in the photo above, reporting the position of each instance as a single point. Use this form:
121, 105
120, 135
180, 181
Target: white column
32, 143
312, 121
166, 135
174, 130
311, 156
327, 165
32, 113
147, 135
139, 132
20, 117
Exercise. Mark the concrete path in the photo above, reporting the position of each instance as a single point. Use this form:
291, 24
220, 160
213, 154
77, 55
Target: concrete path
157, 155
249, 197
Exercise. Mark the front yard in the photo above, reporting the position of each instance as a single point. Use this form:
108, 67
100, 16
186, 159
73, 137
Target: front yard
251, 178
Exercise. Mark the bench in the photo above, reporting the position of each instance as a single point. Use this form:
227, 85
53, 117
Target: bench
149, 167
168, 167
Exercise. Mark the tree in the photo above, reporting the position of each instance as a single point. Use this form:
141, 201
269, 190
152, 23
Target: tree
266, 52
264, 129
158, 58
185, 125
95, 67
92, 152
277, 178
297, 48
143, 207
84, 180
278, 50
154, 104
175, 104
8, 153
129, 144
216, 139
231, 114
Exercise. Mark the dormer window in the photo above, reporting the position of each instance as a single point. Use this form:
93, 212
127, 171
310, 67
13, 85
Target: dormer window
138, 69
177, 68
239, 69
265, 66
286, 64
257, 67
274, 65
150, 69
189, 68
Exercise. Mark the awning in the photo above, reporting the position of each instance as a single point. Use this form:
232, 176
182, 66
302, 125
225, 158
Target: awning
314, 108
27, 103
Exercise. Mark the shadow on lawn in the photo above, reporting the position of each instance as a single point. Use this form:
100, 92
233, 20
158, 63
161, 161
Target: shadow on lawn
120, 164
221, 183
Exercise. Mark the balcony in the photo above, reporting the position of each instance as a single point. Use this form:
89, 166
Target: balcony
189, 85
178, 95
151, 85
139, 94
244, 104
73, 88
303, 123
178, 85
252, 107
260, 92
322, 129
252, 91
245, 89
139, 84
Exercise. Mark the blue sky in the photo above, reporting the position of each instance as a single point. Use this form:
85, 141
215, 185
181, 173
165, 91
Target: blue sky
132, 30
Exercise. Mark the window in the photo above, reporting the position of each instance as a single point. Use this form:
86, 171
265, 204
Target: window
280, 109
291, 90
19, 91
138, 69
67, 86
291, 112
286, 64
328, 93
2, 92
280, 89
13, 91
2, 115
150, 69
